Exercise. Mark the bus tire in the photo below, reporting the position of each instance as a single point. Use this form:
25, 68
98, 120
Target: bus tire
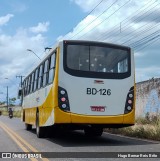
93, 132
40, 131
28, 127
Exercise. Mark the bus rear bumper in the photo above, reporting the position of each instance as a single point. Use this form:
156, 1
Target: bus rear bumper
62, 117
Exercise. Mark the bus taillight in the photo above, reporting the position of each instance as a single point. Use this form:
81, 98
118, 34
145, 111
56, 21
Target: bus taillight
129, 101
63, 100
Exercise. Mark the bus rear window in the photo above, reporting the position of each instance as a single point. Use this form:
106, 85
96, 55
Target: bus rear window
97, 60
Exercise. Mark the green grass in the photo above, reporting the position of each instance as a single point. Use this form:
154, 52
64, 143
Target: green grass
144, 128
152, 120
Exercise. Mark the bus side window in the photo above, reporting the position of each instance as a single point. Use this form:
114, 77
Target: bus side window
51, 68
23, 87
45, 74
25, 91
29, 84
40, 80
36, 79
32, 82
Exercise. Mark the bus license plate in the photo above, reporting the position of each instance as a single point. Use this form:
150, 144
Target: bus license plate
98, 108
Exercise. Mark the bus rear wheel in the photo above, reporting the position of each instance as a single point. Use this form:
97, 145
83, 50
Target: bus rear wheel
93, 131
28, 127
40, 131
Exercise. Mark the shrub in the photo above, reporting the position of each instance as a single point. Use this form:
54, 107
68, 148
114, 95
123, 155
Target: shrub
144, 128
142, 120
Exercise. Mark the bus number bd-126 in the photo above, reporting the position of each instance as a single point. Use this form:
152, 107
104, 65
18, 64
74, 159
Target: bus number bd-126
94, 91
85, 85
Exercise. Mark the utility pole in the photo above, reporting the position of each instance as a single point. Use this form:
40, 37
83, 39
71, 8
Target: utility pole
21, 77
7, 98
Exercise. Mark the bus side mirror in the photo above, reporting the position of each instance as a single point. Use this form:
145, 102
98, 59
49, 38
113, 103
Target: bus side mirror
19, 93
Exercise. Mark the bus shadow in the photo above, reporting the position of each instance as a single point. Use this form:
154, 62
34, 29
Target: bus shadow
78, 139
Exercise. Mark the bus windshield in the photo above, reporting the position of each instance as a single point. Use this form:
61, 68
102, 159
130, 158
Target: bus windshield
97, 59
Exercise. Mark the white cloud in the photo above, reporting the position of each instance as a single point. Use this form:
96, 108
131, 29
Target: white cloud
14, 57
109, 14
97, 22
41, 27
5, 19
104, 25
86, 5
80, 28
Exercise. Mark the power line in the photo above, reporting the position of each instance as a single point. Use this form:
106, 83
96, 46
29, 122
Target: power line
102, 36
144, 40
149, 38
143, 31
88, 15
156, 38
83, 18
94, 8
128, 26
136, 43
140, 19
107, 17
94, 19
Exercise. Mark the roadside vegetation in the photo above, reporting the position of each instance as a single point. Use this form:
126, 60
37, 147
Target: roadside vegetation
15, 113
147, 127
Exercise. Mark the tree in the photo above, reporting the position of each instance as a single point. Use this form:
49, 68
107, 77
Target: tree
2, 103
12, 101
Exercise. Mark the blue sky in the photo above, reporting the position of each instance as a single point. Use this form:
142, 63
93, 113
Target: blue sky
35, 24
48, 19
61, 15
25, 20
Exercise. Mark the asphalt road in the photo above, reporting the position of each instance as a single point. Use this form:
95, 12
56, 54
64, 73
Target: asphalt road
14, 138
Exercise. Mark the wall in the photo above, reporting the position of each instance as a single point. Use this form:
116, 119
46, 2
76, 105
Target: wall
148, 97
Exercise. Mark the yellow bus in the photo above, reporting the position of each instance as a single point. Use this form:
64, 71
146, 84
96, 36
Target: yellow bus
81, 85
